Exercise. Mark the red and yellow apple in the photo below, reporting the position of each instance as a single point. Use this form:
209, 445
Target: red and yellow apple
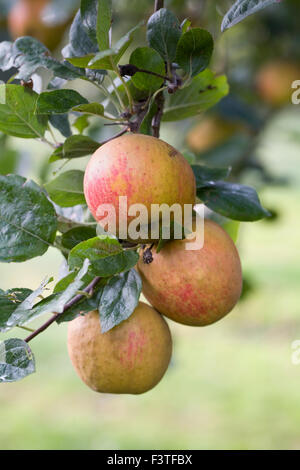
130, 358
145, 169
194, 287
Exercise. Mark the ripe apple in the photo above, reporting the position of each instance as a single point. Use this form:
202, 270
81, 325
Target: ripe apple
194, 287
209, 133
25, 19
130, 358
274, 80
145, 169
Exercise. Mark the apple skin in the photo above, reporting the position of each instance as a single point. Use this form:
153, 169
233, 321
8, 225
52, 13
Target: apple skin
274, 80
209, 133
194, 287
143, 168
130, 358
25, 19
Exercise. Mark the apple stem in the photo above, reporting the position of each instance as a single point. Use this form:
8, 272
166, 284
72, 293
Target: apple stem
147, 255
158, 4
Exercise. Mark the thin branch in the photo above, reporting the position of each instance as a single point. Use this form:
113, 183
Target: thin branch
117, 93
106, 93
128, 93
42, 328
70, 304
158, 4
141, 113
52, 133
115, 123
46, 141
111, 118
165, 77
130, 70
160, 101
25, 328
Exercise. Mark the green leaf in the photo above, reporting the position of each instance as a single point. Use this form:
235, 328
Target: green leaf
17, 113
9, 161
6, 55
83, 307
95, 109
185, 25
146, 125
124, 42
194, 51
147, 59
205, 91
106, 255
56, 302
61, 123
68, 279
104, 20
108, 58
233, 200
243, 8
58, 101
16, 307
66, 189
71, 217
137, 95
75, 146
16, 360
81, 123
205, 174
88, 11
104, 60
27, 311
81, 62
119, 299
76, 235
81, 42
163, 33
28, 220
9, 301
29, 54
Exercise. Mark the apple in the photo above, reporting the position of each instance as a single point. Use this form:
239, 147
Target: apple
145, 169
194, 287
130, 358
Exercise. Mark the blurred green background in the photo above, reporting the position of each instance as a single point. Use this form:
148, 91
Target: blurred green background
231, 385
